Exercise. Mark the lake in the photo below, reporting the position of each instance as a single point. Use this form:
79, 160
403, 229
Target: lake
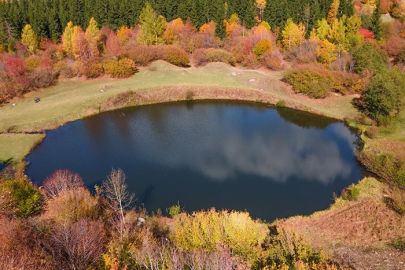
274, 163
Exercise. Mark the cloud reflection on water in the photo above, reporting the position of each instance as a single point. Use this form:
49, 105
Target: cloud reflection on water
277, 151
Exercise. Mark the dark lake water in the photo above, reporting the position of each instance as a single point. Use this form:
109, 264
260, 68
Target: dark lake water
272, 163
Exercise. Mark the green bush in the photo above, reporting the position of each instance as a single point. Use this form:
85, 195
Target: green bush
124, 68
176, 56
351, 193
384, 94
26, 197
220, 55
174, 210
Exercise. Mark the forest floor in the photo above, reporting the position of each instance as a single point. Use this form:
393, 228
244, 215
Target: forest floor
78, 98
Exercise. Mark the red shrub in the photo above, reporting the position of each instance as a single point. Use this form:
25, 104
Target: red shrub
199, 57
367, 34
43, 77
394, 46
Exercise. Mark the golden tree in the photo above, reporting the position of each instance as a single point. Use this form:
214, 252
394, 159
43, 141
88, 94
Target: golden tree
29, 39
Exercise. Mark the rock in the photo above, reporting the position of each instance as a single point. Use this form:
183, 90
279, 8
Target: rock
140, 221
13, 104
252, 80
233, 74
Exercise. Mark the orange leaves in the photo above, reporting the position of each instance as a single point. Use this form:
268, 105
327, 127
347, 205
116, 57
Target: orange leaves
173, 30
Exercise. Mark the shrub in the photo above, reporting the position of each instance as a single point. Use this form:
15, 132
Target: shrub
394, 45
174, 210
33, 62
372, 132
303, 54
396, 201
250, 61
273, 60
176, 56
27, 198
262, 47
351, 193
281, 103
207, 230
143, 55
199, 57
384, 93
93, 70
220, 55
286, 250
124, 68
313, 81
43, 77
386, 166
316, 81
399, 244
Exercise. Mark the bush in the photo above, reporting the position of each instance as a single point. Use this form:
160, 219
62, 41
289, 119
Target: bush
43, 77
303, 54
27, 198
262, 47
384, 93
124, 68
396, 201
176, 56
372, 132
143, 55
33, 62
316, 81
394, 45
351, 193
273, 60
93, 70
200, 58
220, 55
312, 81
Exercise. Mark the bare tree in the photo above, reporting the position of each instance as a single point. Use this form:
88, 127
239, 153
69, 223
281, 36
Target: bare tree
117, 193
61, 181
77, 245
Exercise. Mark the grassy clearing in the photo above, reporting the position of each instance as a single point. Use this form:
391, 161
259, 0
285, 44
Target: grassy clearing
15, 146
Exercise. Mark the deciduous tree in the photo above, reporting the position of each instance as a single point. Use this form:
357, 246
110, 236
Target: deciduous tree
29, 39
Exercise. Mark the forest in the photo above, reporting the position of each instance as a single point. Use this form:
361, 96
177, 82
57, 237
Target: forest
324, 48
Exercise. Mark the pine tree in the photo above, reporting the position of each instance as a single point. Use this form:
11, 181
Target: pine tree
220, 30
29, 39
376, 27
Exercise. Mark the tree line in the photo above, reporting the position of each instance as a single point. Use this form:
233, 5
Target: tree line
49, 18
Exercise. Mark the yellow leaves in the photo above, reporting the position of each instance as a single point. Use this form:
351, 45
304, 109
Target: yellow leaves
207, 230
232, 25
173, 30
75, 40
124, 33
334, 7
29, 39
325, 52
67, 38
262, 47
293, 34
92, 31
